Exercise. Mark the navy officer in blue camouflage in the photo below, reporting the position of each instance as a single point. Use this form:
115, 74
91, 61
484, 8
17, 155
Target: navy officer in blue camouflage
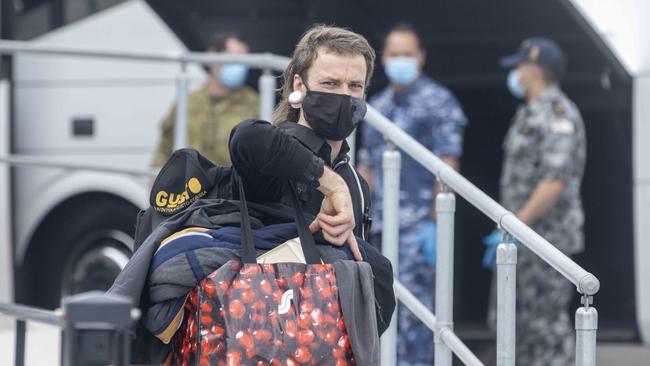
543, 165
428, 112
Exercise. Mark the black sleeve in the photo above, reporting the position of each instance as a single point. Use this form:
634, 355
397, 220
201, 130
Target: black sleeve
266, 157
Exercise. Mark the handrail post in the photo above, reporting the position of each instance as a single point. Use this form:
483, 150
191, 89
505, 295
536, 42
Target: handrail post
97, 329
20, 342
267, 86
180, 127
506, 303
586, 328
392, 162
445, 210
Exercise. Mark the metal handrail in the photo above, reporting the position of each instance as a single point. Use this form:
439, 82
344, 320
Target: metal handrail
22, 160
261, 60
29, 313
427, 317
109, 317
585, 282
23, 314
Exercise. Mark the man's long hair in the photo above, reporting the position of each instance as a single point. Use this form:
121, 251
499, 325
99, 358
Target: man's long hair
334, 39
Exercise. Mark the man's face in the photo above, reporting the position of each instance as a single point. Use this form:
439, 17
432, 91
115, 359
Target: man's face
402, 44
232, 45
334, 73
528, 73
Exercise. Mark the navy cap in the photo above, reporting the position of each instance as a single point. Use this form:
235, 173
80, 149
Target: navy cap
541, 51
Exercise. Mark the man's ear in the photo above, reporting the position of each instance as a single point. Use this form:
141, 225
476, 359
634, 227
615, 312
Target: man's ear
299, 85
422, 59
529, 73
539, 73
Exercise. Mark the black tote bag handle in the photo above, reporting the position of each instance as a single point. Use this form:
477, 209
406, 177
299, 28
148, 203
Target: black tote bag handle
312, 256
247, 251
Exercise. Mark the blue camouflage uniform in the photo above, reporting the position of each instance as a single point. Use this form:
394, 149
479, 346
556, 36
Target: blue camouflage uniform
546, 140
431, 114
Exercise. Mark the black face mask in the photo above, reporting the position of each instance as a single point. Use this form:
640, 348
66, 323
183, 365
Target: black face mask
333, 116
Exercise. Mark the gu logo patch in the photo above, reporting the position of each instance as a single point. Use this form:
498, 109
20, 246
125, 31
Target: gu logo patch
167, 202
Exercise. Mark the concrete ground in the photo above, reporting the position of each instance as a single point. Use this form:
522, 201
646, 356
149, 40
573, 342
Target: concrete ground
622, 354
44, 343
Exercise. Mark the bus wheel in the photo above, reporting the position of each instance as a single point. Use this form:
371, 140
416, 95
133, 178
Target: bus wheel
82, 246
95, 262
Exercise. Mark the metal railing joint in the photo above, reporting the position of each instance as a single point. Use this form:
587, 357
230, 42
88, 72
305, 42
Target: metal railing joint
589, 285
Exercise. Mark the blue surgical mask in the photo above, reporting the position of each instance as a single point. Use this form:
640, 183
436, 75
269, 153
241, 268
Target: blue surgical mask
233, 75
402, 70
514, 85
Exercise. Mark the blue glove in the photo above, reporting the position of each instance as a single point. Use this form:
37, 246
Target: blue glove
491, 242
426, 242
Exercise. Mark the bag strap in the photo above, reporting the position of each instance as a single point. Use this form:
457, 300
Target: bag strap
247, 251
312, 256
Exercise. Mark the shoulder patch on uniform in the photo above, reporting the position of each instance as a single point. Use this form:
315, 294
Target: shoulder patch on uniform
562, 126
456, 113
558, 108
524, 128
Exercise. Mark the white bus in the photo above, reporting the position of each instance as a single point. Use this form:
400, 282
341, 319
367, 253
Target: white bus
65, 231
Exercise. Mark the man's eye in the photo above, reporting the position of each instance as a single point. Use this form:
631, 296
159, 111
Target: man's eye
329, 83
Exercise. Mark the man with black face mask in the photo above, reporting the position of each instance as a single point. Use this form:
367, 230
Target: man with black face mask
323, 101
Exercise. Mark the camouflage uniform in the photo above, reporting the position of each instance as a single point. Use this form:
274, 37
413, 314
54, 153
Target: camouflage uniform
209, 120
546, 141
430, 114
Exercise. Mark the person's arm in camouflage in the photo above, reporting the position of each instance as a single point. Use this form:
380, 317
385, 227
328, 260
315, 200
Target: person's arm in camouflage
542, 199
255, 105
448, 128
453, 162
556, 167
166, 144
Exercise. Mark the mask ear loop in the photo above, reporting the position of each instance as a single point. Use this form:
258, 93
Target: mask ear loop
295, 99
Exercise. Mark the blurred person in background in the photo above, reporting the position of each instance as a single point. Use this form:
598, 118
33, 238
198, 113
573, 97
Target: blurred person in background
214, 109
431, 114
543, 165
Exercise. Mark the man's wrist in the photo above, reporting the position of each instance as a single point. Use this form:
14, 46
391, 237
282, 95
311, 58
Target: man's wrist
330, 182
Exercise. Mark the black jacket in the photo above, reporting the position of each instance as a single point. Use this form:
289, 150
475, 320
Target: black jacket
266, 156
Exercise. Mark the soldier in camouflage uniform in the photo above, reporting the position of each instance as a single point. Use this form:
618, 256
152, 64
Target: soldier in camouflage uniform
430, 113
215, 108
545, 153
